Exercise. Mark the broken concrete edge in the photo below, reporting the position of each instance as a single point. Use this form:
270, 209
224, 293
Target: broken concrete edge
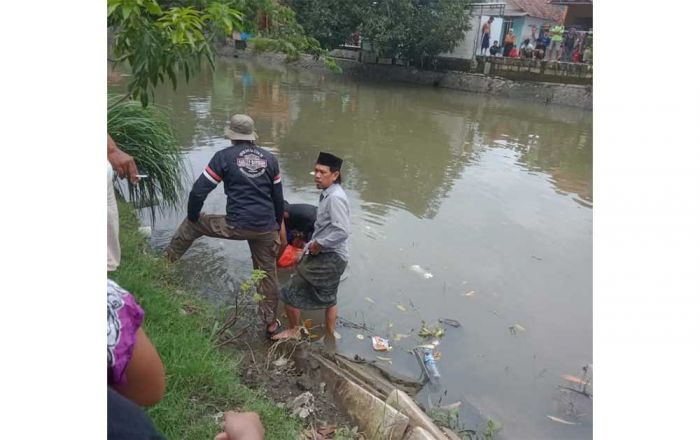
377, 416
372, 415
417, 418
418, 433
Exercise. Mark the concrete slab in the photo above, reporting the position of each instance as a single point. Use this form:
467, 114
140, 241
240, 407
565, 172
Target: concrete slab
417, 418
378, 420
418, 433
451, 435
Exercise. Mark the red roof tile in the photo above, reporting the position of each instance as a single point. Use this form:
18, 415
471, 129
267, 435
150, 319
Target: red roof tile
540, 8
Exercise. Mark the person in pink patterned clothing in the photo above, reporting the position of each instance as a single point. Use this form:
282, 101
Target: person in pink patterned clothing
134, 368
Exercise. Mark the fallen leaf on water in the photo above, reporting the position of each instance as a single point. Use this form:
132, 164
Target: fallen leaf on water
385, 359
557, 419
361, 337
574, 379
313, 336
470, 293
399, 336
308, 323
400, 307
369, 300
519, 327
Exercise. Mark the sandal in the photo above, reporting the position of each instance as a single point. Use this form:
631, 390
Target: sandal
279, 329
301, 333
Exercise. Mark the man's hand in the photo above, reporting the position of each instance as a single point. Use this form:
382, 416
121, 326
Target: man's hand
122, 163
314, 248
242, 426
283, 240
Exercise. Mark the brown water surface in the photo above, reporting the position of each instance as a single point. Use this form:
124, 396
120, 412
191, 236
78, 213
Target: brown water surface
487, 195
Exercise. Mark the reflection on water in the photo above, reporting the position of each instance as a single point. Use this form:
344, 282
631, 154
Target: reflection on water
493, 197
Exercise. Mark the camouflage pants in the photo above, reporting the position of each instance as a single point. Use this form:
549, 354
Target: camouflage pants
264, 247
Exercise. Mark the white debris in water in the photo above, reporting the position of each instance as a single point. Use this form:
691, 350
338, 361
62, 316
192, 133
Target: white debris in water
145, 231
419, 270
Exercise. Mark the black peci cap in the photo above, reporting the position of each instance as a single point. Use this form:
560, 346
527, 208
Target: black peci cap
329, 160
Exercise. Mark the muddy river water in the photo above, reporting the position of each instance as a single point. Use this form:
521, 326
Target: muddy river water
490, 198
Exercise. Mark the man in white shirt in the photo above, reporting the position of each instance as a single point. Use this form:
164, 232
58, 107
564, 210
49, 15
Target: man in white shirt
314, 284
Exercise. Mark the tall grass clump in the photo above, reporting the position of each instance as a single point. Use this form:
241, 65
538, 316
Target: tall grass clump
146, 134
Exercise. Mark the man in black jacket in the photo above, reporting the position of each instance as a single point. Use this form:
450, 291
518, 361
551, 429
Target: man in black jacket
299, 220
254, 208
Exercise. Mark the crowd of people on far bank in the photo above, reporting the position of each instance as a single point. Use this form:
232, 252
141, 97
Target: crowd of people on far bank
550, 43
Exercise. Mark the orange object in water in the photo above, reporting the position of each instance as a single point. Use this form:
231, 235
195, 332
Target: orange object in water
289, 257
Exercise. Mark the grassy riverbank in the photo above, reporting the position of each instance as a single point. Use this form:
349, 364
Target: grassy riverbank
201, 379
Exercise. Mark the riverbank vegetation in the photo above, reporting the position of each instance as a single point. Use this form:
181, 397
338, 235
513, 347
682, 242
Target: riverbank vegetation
146, 134
202, 380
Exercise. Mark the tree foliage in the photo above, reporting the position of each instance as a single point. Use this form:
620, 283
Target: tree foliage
160, 42
415, 30
331, 22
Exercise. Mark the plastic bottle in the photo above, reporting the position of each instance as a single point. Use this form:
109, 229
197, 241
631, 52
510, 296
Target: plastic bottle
431, 368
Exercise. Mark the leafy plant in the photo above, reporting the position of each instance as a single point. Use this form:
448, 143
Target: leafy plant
492, 428
158, 43
249, 288
330, 22
427, 331
449, 418
346, 433
146, 134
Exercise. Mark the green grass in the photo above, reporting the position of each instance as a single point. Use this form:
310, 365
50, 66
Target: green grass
201, 379
148, 136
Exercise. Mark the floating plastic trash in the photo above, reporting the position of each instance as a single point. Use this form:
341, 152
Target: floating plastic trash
515, 329
422, 272
430, 366
558, 420
380, 344
452, 322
